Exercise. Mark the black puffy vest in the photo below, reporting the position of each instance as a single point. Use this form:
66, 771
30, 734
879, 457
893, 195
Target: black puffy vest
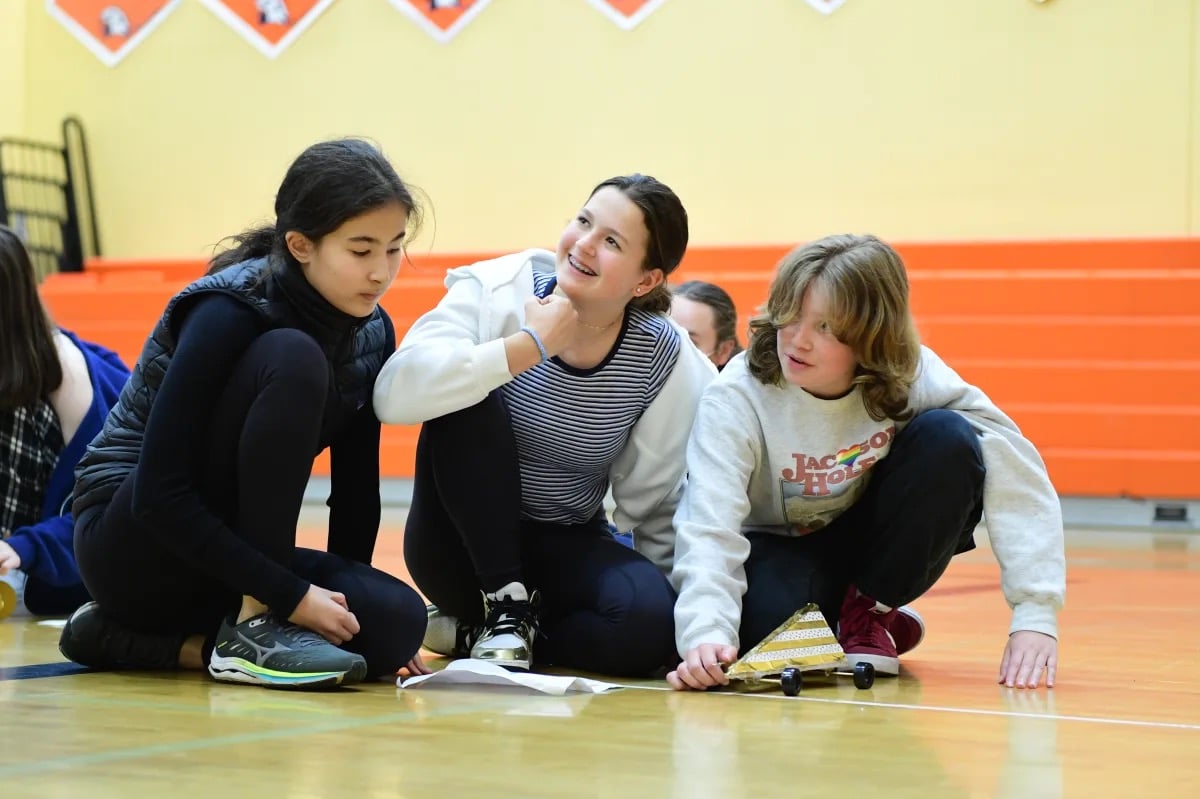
354, 363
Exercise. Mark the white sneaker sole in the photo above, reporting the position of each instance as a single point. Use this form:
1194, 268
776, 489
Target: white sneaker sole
512, 664
884, 666
911, 613
237, 670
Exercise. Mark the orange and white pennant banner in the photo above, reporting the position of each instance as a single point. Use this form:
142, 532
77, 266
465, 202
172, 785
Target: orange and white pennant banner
627, 13
441, 19
110, 28
826, 6
269, 25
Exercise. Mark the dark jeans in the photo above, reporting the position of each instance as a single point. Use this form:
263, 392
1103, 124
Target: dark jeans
605, 608
919, 510
146, 587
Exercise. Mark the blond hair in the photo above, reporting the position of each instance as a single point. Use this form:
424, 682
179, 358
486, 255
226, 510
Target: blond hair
867, 287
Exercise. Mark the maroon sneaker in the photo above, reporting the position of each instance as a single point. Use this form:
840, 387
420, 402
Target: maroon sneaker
907, 629
863, 634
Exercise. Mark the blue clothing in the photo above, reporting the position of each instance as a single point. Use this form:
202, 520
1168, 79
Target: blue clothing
46, 548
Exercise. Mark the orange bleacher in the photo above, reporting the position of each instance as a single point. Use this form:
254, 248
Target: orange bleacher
1093, 347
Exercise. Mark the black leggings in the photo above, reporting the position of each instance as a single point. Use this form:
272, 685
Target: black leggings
254, 479
605, 608
919, 510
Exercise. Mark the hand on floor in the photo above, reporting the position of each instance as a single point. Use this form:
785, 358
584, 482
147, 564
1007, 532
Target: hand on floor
1026, 656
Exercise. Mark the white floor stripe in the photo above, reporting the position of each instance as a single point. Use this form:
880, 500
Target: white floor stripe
1169, 725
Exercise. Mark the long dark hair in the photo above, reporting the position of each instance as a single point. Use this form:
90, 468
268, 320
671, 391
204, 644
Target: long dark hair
29, 366
666, 222
329, 183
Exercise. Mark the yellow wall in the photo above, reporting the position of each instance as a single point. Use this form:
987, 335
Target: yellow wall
1193, 154
12, 67
922, 119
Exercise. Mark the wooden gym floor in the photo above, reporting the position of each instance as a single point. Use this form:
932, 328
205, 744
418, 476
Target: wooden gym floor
1123, 721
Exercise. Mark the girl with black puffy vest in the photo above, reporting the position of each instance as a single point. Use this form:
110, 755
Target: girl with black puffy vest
186, 504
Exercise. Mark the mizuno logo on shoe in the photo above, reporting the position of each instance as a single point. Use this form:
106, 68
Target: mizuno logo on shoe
261, 652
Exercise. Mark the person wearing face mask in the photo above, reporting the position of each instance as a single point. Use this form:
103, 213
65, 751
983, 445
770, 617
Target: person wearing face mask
540, 380
707, 313
186, 504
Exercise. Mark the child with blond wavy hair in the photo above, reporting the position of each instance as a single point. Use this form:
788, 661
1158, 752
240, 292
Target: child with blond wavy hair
840, 462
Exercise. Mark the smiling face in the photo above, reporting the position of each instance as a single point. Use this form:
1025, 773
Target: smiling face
602, 251
355, 264
810, 355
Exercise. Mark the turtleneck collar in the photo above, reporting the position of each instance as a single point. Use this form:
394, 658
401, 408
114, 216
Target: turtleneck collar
314, 314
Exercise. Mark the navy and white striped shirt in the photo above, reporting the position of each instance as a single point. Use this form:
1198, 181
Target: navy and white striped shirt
571, 424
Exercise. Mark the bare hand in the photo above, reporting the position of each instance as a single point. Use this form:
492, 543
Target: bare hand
702, 668
417, 666
326, 613
9, 559
554, 319
1026, 656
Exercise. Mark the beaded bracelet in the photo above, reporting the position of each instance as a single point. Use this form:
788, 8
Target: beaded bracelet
538, 341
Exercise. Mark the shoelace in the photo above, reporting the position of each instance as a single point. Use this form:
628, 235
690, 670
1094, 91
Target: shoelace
508, 616
303, 637
465, 636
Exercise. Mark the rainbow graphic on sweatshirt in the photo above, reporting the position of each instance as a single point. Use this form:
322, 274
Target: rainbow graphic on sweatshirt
847, 457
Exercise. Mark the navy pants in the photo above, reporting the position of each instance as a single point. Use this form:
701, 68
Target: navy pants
143, 586
605, 608
920, 509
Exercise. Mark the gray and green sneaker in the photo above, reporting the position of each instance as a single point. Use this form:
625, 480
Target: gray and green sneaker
263, 650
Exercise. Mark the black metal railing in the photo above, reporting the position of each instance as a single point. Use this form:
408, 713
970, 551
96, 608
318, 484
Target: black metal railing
46, 197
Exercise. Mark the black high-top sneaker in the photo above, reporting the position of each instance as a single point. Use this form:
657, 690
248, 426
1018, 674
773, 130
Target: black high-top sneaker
509, 629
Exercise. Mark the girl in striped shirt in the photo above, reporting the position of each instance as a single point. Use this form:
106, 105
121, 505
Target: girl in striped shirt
541, 380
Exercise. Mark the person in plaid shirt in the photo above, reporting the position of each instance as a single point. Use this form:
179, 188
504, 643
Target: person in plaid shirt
55, 391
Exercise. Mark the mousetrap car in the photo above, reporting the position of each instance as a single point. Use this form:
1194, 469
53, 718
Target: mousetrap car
802, 645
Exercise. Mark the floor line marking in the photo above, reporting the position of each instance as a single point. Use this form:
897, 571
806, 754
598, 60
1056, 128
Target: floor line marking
944, 709
133, 753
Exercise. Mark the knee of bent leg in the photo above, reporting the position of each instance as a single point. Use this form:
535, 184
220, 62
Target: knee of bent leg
639, 606
399, 629
949, 437
293, 359
475, 423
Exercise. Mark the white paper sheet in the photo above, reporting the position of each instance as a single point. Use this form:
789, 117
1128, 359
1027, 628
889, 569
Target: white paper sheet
480, 672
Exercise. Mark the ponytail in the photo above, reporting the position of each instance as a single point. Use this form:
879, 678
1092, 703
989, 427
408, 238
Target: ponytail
256, 242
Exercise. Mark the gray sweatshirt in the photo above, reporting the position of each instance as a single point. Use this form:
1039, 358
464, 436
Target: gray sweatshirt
779, 460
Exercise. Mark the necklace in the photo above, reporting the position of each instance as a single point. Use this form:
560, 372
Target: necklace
600, 328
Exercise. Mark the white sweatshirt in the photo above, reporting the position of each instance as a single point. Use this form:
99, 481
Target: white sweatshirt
745, 474
453, 357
